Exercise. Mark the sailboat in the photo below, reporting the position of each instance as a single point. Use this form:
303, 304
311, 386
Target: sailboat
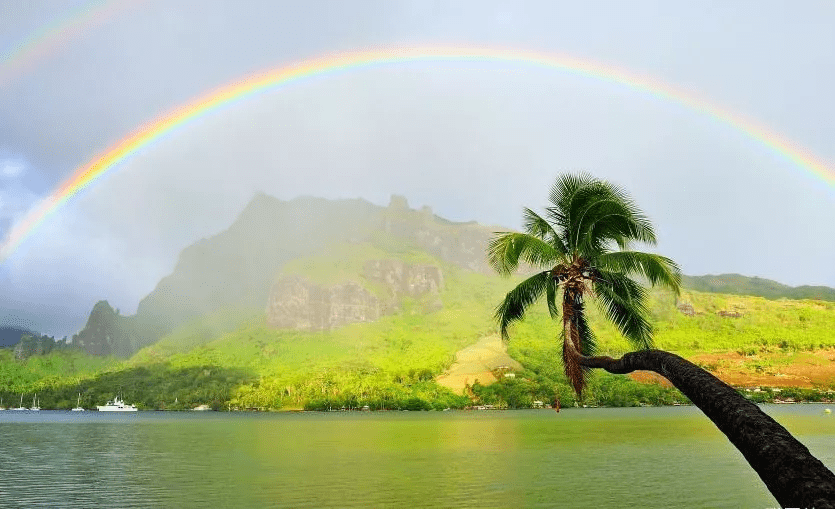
21, 407
78, 407
1, 404
35, 407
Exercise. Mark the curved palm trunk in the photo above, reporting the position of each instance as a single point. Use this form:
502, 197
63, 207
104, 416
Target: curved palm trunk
791, 473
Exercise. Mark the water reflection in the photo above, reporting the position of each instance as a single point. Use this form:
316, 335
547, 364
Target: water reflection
577, 458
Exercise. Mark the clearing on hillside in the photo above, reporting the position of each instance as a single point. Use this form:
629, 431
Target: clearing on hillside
477, 362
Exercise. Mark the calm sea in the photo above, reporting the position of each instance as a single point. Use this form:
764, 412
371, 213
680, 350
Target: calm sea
630, 457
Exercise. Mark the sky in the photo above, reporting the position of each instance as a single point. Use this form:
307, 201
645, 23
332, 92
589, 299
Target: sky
474, 140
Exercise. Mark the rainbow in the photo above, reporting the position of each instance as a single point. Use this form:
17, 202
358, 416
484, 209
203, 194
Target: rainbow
146, 135
54, 35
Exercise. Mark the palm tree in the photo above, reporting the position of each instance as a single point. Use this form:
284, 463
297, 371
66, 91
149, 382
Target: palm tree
583, 244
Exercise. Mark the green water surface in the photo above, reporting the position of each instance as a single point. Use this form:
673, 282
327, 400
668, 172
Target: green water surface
630, 457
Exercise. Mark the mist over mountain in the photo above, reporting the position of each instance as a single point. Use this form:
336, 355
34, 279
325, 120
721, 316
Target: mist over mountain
236, 269
314, 303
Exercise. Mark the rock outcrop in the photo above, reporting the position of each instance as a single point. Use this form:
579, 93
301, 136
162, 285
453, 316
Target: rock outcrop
104, 333
462, 244
297, 303
402, 280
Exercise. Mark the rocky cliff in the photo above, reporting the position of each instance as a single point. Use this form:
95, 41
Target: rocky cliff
104, 333
297, 303
236, 267
399, 280
463, 244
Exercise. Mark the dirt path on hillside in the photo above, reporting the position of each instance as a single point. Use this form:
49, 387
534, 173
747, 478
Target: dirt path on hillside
477, 362
773, 369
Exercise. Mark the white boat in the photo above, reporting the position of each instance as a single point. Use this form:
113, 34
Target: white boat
116, 405
78, 407
35, 407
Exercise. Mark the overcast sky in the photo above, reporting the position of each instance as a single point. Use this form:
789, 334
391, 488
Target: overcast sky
471, 140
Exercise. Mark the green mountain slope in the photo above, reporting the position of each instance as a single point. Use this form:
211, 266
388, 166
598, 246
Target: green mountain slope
398, 354
236, 268
738, 284
203, 335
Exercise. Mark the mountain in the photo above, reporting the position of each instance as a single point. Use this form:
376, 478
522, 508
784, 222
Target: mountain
737, 284
237, 268
106, 332
311, 303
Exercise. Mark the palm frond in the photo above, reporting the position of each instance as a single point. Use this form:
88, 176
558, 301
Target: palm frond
517, 301
658, 270
551, 288
562, 195
623, 301
506, 250
567, 186
603, 214
537, 226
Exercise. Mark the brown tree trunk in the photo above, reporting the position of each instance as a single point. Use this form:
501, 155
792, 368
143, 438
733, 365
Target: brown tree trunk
789, 471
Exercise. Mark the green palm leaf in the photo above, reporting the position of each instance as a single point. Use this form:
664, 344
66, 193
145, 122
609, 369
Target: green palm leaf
562, 195
658, 270
551, 288
516, 302
508, 249
623, 302
603, 214
539, 227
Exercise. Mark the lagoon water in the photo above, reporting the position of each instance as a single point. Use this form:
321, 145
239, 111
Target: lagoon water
624, 457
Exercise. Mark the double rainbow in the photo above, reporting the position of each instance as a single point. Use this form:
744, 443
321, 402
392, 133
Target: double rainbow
146, 135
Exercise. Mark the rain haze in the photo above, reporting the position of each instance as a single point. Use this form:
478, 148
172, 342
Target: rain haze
473, 139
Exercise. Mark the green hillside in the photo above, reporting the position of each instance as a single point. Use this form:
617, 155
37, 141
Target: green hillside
236, 267
738, 284
202, 336
232, 359
379, 361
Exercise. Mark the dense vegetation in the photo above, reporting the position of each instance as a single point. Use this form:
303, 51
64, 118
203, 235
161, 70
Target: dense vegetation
391, 364
222, 353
